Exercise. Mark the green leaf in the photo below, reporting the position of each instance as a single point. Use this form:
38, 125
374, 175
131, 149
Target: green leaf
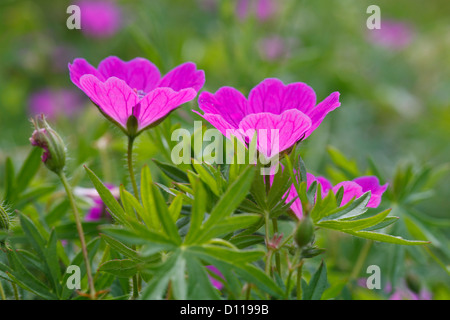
172, 172
207, 177
231, 224
354, 224
317, 284
351, 209
385, 238
25, 279
28, 170
197, 212
237, 256
199, 285
163, 274
125, 268
139, 235
349, 167
120, 247
108, 199
230, 200
130, 204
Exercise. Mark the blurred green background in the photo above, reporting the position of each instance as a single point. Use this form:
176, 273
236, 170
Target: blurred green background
395, 97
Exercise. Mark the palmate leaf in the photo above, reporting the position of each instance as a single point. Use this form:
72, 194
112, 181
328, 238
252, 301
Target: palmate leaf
348, 219
229, 201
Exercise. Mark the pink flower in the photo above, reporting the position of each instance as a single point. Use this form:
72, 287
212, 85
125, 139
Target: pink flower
216, 283
290, 110
273, 48
262, 9
98, 208
132, 94
100, 18
393, 35
55, 103
352, 189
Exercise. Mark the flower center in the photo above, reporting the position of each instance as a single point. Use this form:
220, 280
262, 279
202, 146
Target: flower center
140, 93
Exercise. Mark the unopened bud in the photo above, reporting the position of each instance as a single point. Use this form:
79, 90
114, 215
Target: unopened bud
54, 156
305, 232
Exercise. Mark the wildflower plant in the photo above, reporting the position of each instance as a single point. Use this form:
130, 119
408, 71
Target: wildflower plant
203, 231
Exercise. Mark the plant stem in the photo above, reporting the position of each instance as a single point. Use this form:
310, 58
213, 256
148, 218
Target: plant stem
130, 166
136, 280
299, 281
16, 292
361, 258
66, 185
2, 292
277, 253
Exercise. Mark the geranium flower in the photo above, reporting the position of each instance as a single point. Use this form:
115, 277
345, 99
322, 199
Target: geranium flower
394, 35
97, 208
216, 283
262, 9
100, 18
352, 189
290, 109
55, 102
132, 94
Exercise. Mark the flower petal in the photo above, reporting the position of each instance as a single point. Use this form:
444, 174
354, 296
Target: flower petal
114, 97
371, 183
227, 102
351, 190
139, 73
290, 127
79, 68
160, 102
271, 95
318, 113
184, 76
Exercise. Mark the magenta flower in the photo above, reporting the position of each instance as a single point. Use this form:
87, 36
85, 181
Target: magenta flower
273, 48
132, 94
216, 283
352, 189
97, 207
393, 35
54, 103
100, 18
290, 110
262, 9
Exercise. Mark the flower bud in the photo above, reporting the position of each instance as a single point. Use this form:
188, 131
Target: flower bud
54, 156
305, 232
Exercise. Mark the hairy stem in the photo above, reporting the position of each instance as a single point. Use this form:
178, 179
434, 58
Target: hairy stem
136, 281
66, 185
130, 166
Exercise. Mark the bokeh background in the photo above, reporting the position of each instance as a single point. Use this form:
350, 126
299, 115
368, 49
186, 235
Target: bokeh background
394, 82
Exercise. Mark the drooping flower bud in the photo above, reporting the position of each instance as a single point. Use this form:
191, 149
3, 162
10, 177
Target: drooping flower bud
54, 156
305, 232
